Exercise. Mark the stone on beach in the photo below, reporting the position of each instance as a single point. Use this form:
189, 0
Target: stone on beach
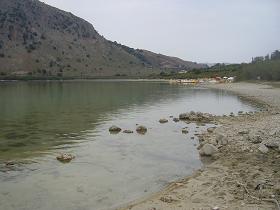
221, 139
243, 132
263, 149
114, 129
272, 143
208, 150
211, 130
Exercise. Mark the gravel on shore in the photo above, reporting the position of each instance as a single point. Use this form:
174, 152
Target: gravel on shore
244, 173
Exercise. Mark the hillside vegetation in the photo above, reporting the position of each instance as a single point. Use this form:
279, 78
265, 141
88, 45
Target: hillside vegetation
37, 40
261, 68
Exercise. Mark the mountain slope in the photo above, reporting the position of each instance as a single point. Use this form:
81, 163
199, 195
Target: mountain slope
40, 40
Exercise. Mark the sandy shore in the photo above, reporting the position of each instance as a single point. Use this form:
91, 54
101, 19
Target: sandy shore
244, 173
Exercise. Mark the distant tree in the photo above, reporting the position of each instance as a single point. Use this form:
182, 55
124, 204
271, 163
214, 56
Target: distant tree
266, 58
258, 59
275, 55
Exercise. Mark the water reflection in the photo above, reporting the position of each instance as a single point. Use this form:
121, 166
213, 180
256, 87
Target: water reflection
38, 116
44, 117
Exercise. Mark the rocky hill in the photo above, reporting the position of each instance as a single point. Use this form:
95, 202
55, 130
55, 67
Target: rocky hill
42, 41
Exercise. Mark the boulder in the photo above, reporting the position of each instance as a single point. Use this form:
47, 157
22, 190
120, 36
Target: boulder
163, 120
141, 129
263, 149
176, 119
208, 150
221, 139
114, 129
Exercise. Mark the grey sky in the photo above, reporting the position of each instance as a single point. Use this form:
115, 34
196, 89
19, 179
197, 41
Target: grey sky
197, 30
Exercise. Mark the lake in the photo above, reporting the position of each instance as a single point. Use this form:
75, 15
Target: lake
39, 120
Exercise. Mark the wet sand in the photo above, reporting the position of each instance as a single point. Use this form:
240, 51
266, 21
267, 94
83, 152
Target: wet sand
239, 175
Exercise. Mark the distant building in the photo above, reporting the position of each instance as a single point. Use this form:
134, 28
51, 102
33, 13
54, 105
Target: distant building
182, 71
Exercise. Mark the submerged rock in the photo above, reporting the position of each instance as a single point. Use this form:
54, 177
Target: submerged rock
163, 120
114, 129
128, 131
208, 150
65, 158
141, 129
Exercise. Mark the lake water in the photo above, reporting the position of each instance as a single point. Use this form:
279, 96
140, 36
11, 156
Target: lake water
39, 120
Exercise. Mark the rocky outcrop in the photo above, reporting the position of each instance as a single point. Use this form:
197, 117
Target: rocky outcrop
163, 120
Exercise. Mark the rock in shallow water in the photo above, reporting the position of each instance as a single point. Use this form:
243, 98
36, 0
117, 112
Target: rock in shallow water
185, 131
65, 158
114, 129
163, 120
141, 129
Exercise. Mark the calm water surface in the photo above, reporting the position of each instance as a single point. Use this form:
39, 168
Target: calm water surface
39, 120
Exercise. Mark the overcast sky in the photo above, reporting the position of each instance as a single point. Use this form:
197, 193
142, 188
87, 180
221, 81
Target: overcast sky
197, 30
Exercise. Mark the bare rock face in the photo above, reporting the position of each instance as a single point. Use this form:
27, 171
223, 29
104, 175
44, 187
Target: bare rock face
37, 40
208, 150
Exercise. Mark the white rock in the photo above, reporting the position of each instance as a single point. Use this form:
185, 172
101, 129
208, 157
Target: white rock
208, 150
221, 139
263, 149
272, 143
